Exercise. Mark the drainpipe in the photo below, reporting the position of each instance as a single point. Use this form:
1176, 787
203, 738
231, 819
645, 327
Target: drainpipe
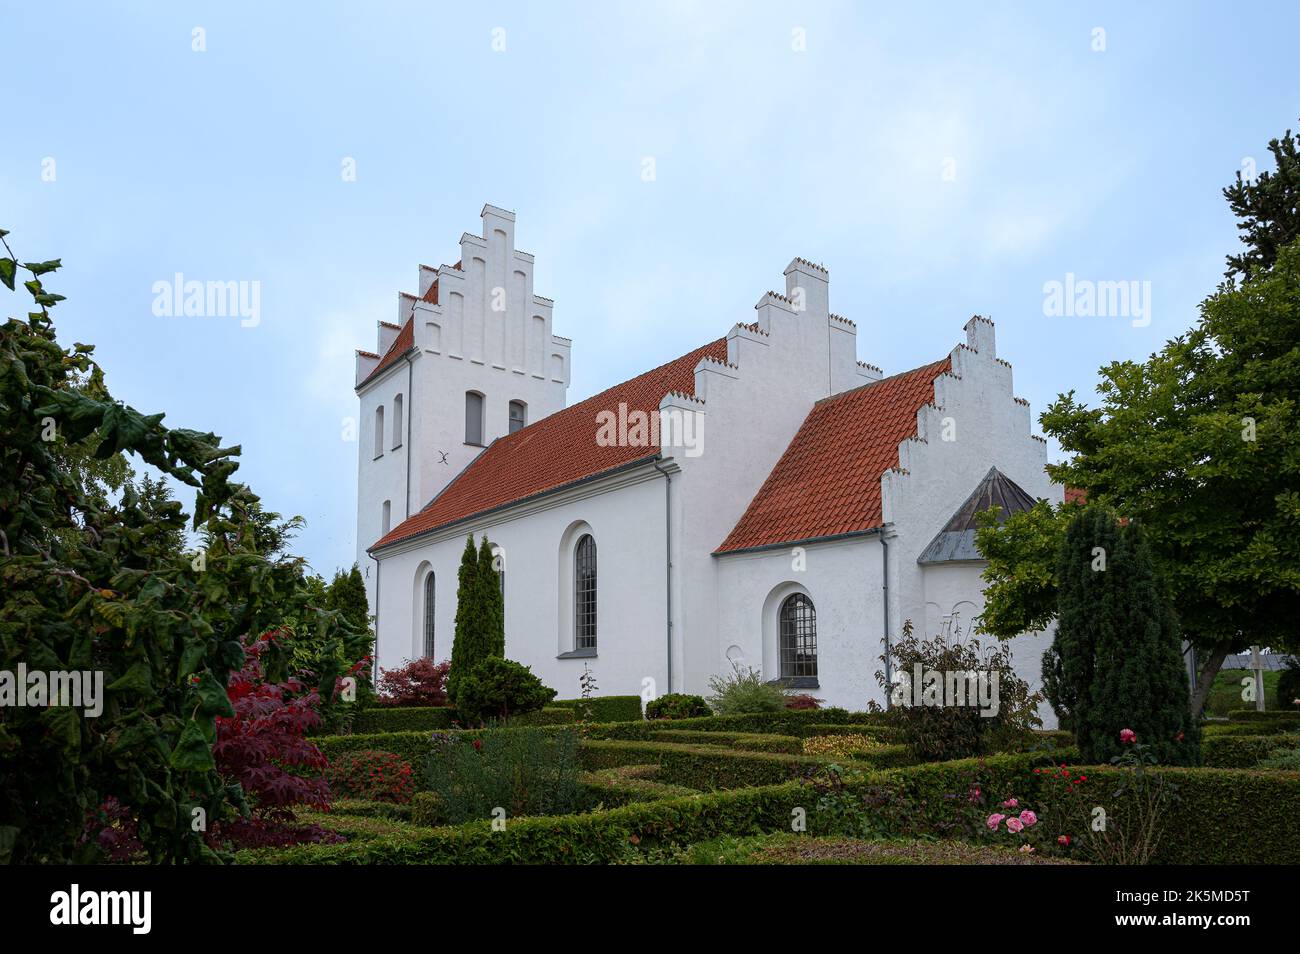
668, 569
884, 588
410, 410
374, 663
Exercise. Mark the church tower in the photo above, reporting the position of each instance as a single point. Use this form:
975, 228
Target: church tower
470, 358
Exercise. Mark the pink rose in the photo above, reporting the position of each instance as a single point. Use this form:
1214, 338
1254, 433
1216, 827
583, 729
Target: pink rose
994, 820
1014, 825
1127, 735
1028, 818
1010, 803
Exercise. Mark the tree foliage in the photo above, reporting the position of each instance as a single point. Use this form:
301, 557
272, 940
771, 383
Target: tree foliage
86, 585
480, 614
1269, 210
1116, 661
1198, 444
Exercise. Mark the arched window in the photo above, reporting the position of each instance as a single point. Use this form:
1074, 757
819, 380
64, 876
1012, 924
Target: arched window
518, 416
397, 422
379, 431
386, 521
473, 417
584, 593
428, 616
798, 621
499, 564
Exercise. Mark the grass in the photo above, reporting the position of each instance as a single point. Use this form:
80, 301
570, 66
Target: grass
1225, 694
805, 850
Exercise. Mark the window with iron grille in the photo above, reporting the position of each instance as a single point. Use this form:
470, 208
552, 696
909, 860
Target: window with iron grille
584, 593
798, 638
428, 616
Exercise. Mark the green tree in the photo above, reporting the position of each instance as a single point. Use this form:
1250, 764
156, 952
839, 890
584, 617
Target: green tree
466, 647
1198, 444
490, 603
1269, 210
1116, 661
88, 586
347, 594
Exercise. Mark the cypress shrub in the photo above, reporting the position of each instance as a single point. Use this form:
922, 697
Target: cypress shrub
491, 608
465, 647
1118, 646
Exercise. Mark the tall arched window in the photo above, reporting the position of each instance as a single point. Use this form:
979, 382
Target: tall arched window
584, 593
386, 519
397, 422
473, 417
798, 621
379, 431
428, 616
518, 416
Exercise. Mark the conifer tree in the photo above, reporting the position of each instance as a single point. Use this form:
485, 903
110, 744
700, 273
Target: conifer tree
1118, 645
468, 616
492, 606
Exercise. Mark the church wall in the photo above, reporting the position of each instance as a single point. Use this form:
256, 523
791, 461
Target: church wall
988, 427
627, 522
842, 579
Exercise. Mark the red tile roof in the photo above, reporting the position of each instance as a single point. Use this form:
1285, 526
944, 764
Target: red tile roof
558, 450
404, 341
828, 480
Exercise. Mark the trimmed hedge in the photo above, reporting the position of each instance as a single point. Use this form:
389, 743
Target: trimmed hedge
1215, 729
796, 722
403, 719
1269, 715
629, 784
744, 741
606, 708
1239, 751
557, 715
412, 746
596, 838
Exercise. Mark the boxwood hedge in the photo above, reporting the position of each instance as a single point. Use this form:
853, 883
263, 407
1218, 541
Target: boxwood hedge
606, 708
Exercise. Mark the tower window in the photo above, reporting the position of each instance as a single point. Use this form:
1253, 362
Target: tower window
473, 417
518, 416
379, 431
386, 520
397, 422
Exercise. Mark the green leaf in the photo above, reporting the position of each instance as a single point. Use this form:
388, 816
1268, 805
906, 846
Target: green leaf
213, 699
192, 752
40, 268
135, 679
7, 269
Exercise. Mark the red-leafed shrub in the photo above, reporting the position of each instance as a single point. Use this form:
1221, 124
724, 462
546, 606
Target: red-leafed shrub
421, 682
802, 700
372, 775
264, 748
114, 831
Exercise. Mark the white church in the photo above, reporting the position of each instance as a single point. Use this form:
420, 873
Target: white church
765, 499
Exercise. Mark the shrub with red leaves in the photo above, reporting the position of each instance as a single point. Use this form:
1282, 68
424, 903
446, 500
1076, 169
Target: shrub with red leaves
115, 832
265, 749
421, 682
802, 700
372, 775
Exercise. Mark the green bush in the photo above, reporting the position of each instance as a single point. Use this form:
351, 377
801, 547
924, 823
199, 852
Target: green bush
798, 722
498, 688
1270, 715
1239, 751
411, 746
551, 715
747, 741
1285, 760
1288, 687
744, 692
613, 836
525, 771
628, 784
403, 719
605, 708
372, 776
1272, 727
677, 705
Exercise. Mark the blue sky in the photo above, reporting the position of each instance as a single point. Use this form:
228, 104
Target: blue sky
226, 165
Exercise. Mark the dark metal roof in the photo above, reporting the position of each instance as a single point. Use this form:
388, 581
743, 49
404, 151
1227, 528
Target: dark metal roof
956, 541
